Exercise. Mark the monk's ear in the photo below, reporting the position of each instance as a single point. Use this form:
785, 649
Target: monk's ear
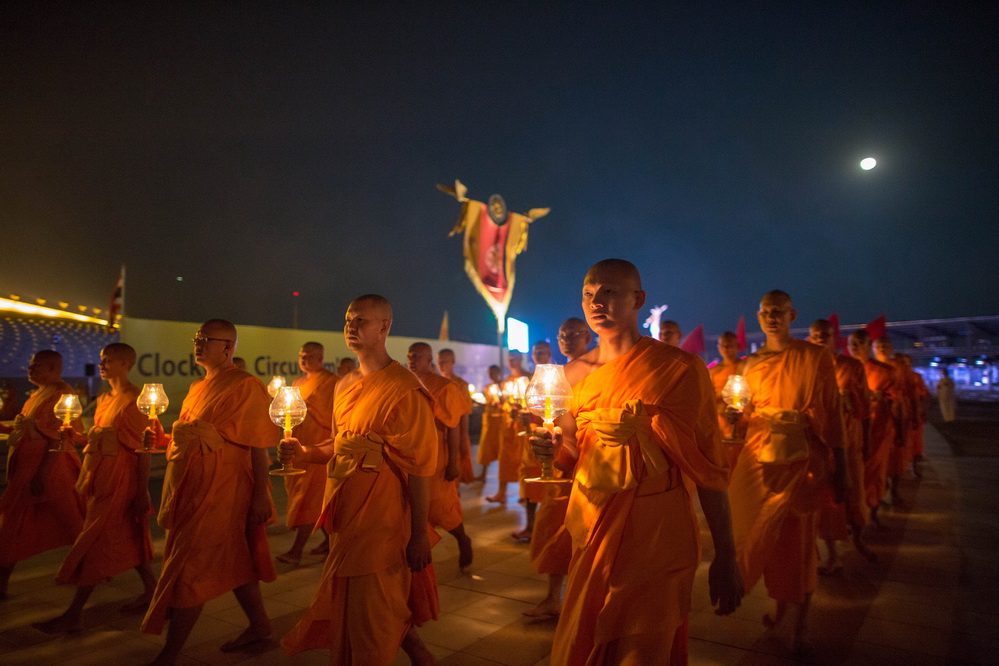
639, 299
794, 314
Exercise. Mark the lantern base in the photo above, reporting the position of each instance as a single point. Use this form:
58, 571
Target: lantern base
541, 479
286, 471
733, 440
61, 450
150, 450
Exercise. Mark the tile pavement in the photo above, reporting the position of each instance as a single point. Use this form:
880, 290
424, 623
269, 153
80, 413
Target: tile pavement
930, 599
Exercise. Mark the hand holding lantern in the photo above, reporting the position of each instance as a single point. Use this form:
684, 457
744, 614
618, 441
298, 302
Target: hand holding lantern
152, 402
67, 408
548, 396
737, 396
287, 410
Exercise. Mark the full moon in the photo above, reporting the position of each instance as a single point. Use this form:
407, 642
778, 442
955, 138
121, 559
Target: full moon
868, 163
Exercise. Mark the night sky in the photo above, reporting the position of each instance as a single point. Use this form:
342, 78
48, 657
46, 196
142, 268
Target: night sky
258, 149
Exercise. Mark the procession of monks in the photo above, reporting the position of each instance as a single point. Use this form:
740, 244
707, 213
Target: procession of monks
385, 445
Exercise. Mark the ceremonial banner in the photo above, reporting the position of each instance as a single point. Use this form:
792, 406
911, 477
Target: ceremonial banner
877, 328
117, 305
694, 342
740, 333
493, 239
840, 342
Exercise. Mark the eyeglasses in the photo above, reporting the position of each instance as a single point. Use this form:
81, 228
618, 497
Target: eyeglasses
200, 340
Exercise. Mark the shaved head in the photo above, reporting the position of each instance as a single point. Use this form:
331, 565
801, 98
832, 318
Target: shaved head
777, 297
669, 332
220, 328
49, 356
314, 347
861, 336
120, 351
623, 271
446, 355
420, 358
728, 336
378, 304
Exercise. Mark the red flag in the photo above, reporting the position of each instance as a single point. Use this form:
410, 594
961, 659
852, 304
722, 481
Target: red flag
740, 333
839, 342
117, 305
694, 342
877, 328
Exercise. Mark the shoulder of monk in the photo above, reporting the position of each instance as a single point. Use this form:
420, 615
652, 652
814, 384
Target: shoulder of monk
659, 353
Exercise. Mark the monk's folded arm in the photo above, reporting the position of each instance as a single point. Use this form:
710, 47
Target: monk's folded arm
724, 579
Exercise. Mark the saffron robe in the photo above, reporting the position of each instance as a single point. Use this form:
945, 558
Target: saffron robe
465, 472
28, 524
210, 546
449, 405
854, 403
636, 550
916, 443
113, 539
901, 453
365, 601
305, 491
884, 393
492, 431
774, 504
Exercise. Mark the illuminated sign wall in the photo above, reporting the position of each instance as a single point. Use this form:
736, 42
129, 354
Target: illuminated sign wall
517, 336
166, 353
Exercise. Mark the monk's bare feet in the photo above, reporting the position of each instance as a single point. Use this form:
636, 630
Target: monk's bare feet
464, 553
291, 557
248, 637
522, 535
138, 605
499, 499
59, 625
321, 549
547, 608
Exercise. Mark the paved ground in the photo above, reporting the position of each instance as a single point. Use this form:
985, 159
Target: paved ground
932, 598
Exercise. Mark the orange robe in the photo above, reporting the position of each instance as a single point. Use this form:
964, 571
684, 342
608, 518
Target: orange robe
901, 453
449, 405
775, 504
881, 378
492, 431
854, 402
113, 539
921, 392
636, 549
465, 472
305, 491
364, 605
551, 543
210, 547
511, 450
719, 376
28, 524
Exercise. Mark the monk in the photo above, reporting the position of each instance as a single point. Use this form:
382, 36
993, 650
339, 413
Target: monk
445, 364
670, 333
40, 508
883, 416
449, 406
921, 394
305, 491
728, 348
947, 396
346, 366
839, 520
634, 534
216, 497
551, 543
239, 362
531, 494
574, 338
378, 581
511, 449
114, 482
491, 434
794, 428
898, 456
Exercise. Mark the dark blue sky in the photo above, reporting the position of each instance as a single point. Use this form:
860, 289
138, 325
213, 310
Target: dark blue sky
257, 149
